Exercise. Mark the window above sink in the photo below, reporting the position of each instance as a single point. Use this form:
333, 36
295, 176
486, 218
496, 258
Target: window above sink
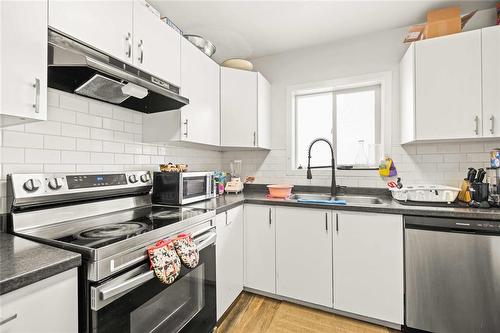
353, 113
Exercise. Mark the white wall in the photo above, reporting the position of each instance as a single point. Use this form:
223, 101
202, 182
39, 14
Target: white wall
84, 135
444, 163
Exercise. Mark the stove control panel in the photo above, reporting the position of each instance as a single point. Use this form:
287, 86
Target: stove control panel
88, 181
26, 186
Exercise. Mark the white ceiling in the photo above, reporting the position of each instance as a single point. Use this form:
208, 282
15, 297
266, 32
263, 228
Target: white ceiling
251, 29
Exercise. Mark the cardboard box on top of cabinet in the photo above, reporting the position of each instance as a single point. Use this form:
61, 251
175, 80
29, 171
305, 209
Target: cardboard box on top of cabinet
442, 22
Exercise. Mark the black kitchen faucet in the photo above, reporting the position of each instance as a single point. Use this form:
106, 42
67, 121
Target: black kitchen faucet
333, 189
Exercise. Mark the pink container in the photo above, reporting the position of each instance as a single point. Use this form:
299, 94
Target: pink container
280, 190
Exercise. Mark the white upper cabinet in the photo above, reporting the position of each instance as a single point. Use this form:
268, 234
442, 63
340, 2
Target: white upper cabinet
200, 82
104, 25
448, 87
23, 62
199, 121
304, 254
245, 109
259, 248
491, 81
407, 95
157, 47
368, 265
229, 258
125, 29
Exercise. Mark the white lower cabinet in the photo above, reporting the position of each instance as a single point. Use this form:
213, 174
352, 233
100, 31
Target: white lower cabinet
368, 265
259, 249
50, 305
229, 258
304, 254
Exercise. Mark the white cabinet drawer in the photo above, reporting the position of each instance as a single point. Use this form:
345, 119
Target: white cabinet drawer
47, 306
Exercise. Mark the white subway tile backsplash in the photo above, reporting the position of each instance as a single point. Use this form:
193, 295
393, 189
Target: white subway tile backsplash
132, 128
56, 168
43, 127
61, 115
100, 109
133, 148
12, 155
149, 150
76, 131
59, 142
123, 114
72, 102
124, 137
88, 120
471, 147
124, 159
21, 139
102, 158
141, 159
75, 157
101, 134
8, 168
113, 147
112, 124
42, 156
52, 98
88, 145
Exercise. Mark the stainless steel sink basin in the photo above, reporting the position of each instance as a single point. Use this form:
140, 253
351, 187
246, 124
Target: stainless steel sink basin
350, 199
310, 197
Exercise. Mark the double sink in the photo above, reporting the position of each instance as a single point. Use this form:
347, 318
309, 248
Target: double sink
349, 199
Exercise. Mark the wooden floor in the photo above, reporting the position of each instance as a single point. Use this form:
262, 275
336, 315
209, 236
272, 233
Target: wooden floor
257, 314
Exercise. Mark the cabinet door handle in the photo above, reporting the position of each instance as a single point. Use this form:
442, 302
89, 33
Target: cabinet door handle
337, 223
128, 40
141, 49
270, 216
36, 85
254, 138
228, 221
492, 127
476, 121
187, 128
326, 222
6, 320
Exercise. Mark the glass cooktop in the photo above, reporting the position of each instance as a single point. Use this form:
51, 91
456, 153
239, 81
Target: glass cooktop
115, 227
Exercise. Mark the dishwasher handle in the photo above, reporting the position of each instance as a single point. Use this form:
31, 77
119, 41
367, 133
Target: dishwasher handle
452, 224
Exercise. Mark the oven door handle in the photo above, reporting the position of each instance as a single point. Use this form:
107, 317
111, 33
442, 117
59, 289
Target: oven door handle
208, 239
127, 285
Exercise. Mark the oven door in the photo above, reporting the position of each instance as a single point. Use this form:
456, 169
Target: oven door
138, 302
195, 186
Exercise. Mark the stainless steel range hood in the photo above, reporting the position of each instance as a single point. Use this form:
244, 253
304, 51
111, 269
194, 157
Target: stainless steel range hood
77, 68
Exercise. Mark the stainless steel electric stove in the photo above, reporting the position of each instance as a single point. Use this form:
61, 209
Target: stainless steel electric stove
110, 220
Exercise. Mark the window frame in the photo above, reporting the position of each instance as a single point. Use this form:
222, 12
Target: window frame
383, 79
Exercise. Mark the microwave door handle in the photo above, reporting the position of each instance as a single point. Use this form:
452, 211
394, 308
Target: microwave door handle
126, 285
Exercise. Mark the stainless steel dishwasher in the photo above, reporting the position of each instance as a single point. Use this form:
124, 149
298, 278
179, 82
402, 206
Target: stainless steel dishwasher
452, 275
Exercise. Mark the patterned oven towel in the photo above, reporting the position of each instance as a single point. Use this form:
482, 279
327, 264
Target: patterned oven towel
187, 250
164, 261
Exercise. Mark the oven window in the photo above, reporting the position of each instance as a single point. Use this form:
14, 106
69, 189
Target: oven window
172, 308
194, 187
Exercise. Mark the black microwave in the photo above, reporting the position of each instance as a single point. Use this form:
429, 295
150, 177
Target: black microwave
180, 188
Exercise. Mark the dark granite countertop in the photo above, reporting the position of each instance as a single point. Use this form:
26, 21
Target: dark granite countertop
389, 206
23, 262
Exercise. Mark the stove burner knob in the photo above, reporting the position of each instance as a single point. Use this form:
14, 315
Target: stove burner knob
133, 179
55, 183
145, 178
32, 185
